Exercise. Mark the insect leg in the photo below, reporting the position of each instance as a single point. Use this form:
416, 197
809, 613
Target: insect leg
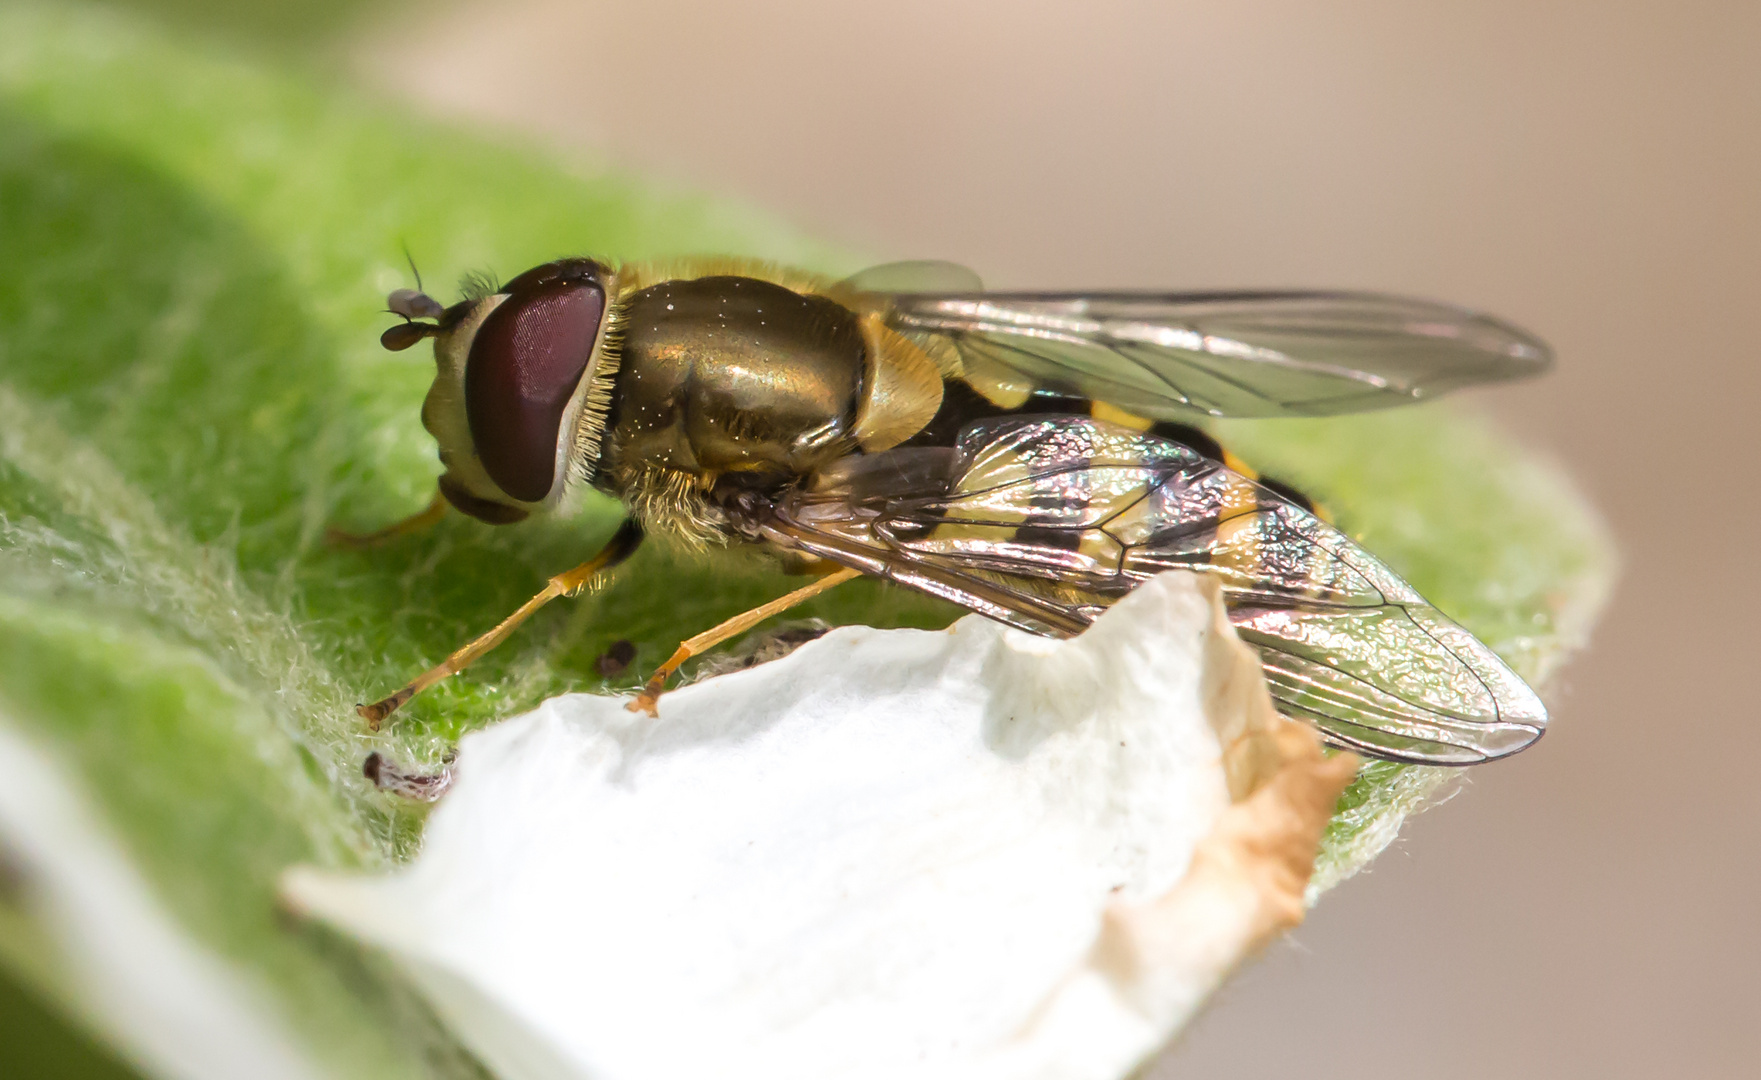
647, 700
616, 550
435, 510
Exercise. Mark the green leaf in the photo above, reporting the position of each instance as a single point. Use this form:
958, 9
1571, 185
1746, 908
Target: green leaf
194, 253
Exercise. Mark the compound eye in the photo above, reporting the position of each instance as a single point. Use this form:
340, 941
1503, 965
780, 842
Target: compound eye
526, 361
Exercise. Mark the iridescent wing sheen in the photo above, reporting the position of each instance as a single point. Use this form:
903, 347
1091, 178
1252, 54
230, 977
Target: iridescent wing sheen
1174, 356
1044, 522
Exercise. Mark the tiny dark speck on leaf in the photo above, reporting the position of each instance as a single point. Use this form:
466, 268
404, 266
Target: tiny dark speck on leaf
422, 787
614, 660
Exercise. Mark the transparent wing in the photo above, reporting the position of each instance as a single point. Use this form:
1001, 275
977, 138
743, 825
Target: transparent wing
916, 276
1045, 522
1172, 356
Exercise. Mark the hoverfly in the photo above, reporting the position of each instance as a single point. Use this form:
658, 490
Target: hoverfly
1030, 456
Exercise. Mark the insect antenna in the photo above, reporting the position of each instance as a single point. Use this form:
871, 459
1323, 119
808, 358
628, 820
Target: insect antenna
411, 259
410, 305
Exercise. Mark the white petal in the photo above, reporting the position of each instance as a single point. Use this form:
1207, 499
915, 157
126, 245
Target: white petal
891, 854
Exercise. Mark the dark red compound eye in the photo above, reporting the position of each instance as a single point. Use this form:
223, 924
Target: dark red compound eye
526, 361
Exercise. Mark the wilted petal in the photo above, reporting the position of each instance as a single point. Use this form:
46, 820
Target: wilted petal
893, 853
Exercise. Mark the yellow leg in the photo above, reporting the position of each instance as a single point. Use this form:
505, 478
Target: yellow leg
436, 510
619, 548
648, 700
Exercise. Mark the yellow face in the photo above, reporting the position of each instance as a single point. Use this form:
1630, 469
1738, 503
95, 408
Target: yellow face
464, 483
521, 382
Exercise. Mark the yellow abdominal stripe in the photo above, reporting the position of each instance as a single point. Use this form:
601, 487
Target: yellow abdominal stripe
1237, 542
1237, 539
1235, 464
1111, 414
988, 520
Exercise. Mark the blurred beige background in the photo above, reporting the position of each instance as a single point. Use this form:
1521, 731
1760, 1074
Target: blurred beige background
1590, 170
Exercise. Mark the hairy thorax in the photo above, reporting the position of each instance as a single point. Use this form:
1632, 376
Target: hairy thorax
727, 381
